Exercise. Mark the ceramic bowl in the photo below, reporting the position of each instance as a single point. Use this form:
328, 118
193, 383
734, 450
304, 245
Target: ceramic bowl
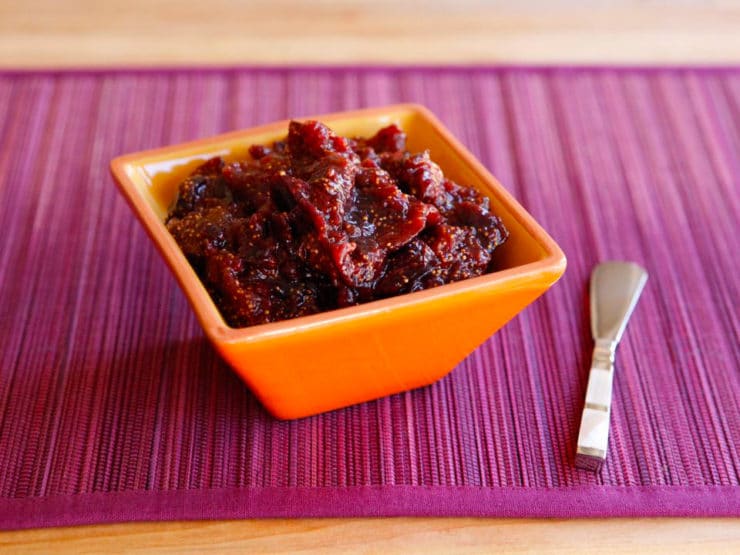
341, 357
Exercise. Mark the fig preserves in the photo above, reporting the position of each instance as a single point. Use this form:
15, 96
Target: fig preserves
317, 222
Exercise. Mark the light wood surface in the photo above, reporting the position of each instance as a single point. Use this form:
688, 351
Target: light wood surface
387, 536
73, 33
87, 32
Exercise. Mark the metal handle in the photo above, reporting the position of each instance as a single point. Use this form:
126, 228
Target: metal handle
615, 290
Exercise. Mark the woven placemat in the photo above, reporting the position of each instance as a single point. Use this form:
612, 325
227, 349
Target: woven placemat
113, 406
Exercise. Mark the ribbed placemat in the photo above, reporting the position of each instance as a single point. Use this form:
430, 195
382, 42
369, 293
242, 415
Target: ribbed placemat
114, 407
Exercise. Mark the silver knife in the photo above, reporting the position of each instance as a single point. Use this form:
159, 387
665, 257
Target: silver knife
615, 289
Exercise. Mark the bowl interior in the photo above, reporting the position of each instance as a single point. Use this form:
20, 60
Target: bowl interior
156, 175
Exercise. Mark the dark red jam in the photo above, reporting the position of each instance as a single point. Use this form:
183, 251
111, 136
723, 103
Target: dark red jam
318, 222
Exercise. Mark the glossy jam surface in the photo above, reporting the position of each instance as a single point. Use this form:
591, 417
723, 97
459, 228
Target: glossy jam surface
318, 222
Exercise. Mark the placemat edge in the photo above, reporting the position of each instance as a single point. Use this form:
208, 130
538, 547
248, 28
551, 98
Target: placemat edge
342, 68
371, 501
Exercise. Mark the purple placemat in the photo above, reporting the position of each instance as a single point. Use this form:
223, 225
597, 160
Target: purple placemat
113, 406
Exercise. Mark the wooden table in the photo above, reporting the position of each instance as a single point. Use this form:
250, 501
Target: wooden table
50, 33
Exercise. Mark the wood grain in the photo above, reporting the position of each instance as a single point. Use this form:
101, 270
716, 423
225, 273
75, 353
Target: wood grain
83, 32
399, 535
48, 33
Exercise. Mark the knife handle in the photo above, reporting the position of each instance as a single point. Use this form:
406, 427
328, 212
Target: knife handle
593, 436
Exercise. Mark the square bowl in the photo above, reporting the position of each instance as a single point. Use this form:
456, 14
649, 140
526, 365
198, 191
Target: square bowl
337, 358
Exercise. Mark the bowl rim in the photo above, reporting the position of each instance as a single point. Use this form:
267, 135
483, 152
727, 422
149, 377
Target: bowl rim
552, 263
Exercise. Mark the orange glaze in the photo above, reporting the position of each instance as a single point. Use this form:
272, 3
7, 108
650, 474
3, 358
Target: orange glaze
324, 361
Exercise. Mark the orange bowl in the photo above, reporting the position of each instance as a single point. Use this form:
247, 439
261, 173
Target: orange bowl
341, 357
